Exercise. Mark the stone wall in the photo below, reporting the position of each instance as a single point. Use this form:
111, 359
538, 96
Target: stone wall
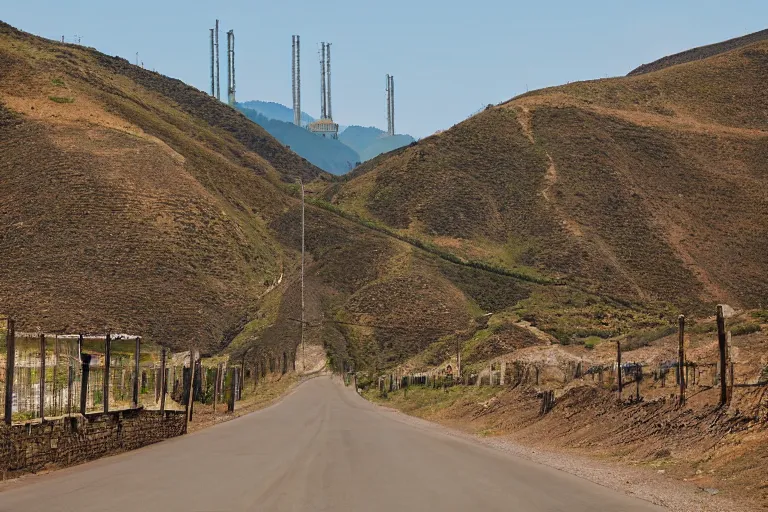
68, 441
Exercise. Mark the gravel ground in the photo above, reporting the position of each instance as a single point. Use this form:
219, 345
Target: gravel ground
643, 483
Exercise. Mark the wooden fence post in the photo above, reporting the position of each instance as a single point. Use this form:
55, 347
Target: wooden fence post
163, 381
216, 386
681, 357
137, 378
10, 362
618, 362
107, 357
232, 391
503, 373
84, 375
191, 391
723, 364
42, 377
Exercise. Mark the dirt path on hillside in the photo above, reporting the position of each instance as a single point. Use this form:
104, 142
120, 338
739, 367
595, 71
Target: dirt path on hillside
570, 224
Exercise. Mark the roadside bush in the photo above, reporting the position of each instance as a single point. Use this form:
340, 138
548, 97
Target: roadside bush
745, 328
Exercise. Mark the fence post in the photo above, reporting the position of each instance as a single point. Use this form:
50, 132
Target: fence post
216, 386
618, 362
730, 367
681, 357
233, 388
85, 373
503, 373
10, 362
191, 391
137, 377
163, 383
723, 365
42, 377
107, 357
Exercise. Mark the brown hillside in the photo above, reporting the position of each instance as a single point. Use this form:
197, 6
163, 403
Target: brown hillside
134, 203
125, 210
702, 52
652, 187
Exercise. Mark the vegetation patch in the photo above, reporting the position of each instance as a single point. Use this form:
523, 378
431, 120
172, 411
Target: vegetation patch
745, 328
61, 99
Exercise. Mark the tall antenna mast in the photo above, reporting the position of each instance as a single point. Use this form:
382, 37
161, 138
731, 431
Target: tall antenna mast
389, 109
293, 75
218, 68
328, 79
323, 111
231, 67
392, 104
298, 81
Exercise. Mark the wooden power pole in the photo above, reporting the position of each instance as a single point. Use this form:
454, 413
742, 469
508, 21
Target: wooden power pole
681, 357
722, 345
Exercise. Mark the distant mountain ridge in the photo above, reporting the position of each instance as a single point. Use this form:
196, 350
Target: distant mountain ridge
276, 111
356, 144
328, 154
370, 142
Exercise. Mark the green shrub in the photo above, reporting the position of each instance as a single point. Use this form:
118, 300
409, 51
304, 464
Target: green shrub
592, 342
59, 99
641, 339
745, 328
58, 82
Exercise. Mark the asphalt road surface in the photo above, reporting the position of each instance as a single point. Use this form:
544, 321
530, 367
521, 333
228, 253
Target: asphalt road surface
322, 448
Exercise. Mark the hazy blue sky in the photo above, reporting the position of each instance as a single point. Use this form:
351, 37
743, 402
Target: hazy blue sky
449, 57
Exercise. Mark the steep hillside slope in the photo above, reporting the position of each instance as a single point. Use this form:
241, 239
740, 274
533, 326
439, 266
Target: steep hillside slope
134, 203
702, 52
131, 201
647, 188
328, 154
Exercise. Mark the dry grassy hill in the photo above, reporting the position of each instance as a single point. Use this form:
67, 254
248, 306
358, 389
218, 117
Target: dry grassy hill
701, 52
135, 203
646, 188
131, 201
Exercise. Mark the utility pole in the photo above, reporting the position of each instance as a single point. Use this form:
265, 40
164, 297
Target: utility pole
721, 340
681, 357
303, 352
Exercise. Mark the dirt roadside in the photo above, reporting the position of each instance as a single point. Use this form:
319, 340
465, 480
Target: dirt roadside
473, 413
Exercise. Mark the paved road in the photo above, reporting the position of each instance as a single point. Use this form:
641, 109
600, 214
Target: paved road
321, 449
